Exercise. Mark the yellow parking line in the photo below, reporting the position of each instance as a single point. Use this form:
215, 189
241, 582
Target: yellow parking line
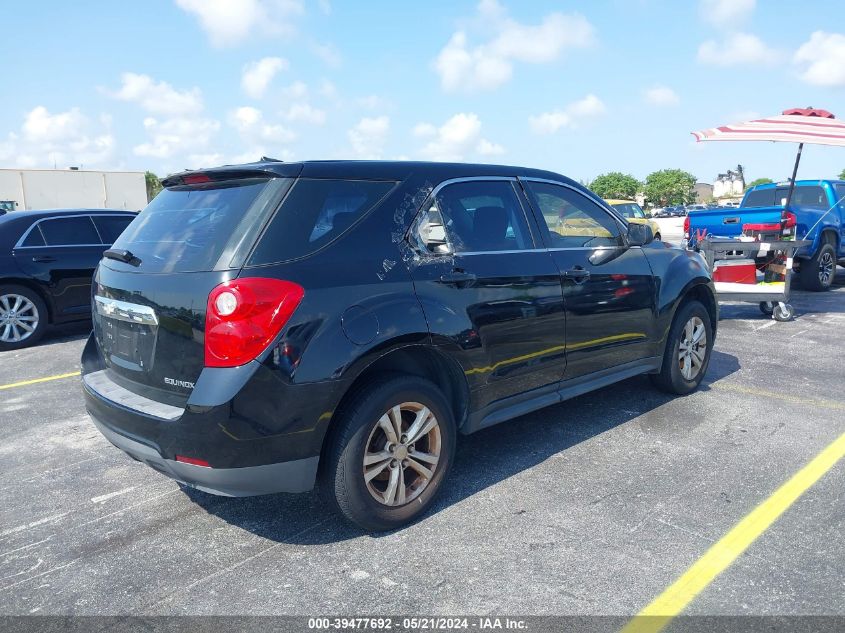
24, 383
721, 555
802, 400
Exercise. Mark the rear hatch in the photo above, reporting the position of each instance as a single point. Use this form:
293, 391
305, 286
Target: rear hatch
151, 292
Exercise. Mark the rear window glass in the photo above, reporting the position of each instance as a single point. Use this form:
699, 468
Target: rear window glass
629, 210
188, 229
111, 226
314, 213
69, 231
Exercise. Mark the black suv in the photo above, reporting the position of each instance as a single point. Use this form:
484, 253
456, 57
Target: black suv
47, 259
261, 327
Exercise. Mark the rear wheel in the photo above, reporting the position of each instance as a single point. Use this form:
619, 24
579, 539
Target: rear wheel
687, 352
390, 453
23, 317
817, 272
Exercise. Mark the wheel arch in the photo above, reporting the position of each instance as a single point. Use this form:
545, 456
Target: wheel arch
420, 360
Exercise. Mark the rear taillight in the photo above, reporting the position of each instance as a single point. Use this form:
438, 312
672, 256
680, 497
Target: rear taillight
243, 316
788, 221
686, 226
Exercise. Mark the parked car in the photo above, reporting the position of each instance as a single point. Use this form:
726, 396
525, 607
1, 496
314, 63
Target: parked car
633, 212
816, 213
47, 259
265, 326
679, 211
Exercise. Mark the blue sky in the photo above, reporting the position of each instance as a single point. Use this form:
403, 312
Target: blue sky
576, 87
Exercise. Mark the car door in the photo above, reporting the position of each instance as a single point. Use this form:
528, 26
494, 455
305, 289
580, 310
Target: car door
608, 288
63, 252
490, 289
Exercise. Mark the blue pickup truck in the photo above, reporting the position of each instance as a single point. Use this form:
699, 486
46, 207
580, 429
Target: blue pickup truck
816, 213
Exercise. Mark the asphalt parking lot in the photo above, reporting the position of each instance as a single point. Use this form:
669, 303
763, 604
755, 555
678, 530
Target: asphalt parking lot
594, 506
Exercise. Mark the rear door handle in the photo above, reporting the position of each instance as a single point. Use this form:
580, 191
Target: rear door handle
43, 259
457, 277
578, 275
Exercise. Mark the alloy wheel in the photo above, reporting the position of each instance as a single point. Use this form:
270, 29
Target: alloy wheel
18, 318
826, 267
402, 454
692, 348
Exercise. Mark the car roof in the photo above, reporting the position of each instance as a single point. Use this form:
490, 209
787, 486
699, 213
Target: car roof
800, 183
614, 201
41, 214
370, 170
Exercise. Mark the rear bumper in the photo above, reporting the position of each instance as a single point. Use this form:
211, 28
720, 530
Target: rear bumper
259, 433
293, 476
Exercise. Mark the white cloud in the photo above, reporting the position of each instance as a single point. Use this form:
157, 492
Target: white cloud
229, 22
737, 49
569, 117
424, 129
488, 148
325, 7
250, 123
306, 113
328, 53
176, 136
328, 89
821, 59
158, 97
467, 67
257, 75
726, 13
62, 139
297, 90
661, 96
459, 136
368, 136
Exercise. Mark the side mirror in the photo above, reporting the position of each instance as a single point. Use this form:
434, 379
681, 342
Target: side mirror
639, 234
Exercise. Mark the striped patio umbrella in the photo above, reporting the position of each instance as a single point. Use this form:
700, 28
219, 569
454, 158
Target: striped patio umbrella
798, 125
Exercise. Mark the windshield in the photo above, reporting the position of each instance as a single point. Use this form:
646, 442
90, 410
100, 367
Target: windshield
629, 210
188, 229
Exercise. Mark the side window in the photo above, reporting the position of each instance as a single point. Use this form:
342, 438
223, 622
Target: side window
572, 219
111, 226
314, 213
810, 196
475, 216
840, 195
70, 231
34, 238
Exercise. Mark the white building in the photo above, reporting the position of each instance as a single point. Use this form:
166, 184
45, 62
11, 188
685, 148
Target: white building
730, 185
32, 189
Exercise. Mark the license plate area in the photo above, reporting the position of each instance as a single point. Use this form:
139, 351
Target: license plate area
127, 333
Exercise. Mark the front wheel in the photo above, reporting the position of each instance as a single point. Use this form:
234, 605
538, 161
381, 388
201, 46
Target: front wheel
687, 352
390, 453
783, 312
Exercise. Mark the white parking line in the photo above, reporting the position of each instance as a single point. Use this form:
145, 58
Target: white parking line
110, 495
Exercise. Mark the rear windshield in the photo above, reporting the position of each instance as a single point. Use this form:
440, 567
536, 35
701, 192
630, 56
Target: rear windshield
193, 228
314, 213
764, 198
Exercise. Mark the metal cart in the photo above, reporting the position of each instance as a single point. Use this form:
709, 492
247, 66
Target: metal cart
772, 296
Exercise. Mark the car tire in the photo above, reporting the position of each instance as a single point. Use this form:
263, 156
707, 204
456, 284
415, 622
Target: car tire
21, 310
374, 474
817, 273
686, 356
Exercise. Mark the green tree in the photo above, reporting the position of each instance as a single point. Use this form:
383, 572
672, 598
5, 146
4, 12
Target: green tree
153, 185
758, 181
670, 187
842, 175
616, 185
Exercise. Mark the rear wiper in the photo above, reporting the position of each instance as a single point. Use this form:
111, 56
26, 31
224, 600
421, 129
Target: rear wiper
122, 255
